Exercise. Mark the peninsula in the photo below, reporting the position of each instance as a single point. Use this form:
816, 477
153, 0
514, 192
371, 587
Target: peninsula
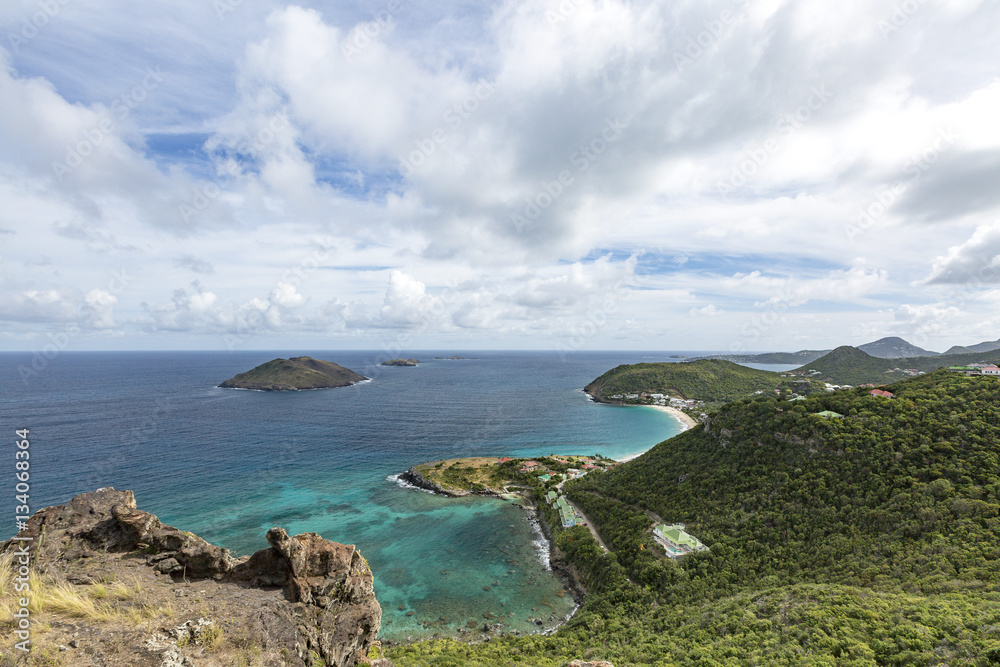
503, 477
294, 374
703, 384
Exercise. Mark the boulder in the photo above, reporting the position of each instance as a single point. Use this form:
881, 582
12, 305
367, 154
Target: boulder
331, 585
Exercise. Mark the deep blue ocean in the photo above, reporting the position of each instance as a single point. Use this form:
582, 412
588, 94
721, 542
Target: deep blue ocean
230, 464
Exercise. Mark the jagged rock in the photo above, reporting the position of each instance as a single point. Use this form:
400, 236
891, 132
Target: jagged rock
108, 520
135, 524
333, 584
331, 611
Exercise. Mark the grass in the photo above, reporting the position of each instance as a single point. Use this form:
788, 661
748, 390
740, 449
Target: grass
102, 602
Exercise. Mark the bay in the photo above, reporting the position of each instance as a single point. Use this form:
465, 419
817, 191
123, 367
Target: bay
229, 464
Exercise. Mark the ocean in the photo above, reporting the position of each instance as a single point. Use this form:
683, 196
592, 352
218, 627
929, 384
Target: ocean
230, 464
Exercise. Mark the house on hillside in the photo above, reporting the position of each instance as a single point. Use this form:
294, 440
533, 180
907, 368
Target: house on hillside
881, 393
990, 370
829, 414
676, 541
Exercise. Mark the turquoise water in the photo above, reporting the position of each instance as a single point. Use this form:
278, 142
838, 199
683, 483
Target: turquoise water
228, 465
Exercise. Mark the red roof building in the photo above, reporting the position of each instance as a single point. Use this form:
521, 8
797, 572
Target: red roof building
883, 394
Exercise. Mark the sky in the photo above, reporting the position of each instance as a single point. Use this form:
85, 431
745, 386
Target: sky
732, 175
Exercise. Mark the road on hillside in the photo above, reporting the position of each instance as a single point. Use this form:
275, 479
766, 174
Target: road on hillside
590, 524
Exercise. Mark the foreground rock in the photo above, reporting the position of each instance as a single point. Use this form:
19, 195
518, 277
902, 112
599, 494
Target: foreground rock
302, 600
294, 374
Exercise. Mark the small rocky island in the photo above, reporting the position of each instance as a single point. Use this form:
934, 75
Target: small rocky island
112, 585
294, 374
456, 358
400, 362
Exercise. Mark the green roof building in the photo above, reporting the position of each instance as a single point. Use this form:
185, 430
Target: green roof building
829, 414
676, 541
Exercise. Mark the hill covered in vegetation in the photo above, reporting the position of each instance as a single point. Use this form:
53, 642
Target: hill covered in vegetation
849, 365
294, 374
865, 540
985, 346
709, 380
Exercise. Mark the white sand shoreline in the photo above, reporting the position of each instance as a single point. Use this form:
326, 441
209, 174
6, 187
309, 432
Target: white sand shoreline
685, 420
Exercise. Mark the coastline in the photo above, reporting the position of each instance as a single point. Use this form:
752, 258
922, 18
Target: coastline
520, 497
684, 418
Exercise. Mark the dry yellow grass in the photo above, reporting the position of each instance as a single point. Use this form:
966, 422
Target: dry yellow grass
117, 601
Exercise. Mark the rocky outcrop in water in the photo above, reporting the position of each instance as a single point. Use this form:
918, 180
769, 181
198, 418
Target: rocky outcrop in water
401, 362
413, 476
303, 599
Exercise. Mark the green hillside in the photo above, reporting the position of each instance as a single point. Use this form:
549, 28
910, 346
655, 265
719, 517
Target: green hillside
709, 380
866, 540
849, 365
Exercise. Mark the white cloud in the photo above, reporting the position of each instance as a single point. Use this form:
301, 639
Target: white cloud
847, 286
101, 305
286, 295
473, 161
975, 262
406, 303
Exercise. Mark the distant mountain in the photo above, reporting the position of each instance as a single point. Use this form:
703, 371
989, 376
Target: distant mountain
895, 348
294, 374
987, 346
800, 357
849, 365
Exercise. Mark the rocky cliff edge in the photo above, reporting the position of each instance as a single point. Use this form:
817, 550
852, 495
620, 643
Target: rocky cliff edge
115, 586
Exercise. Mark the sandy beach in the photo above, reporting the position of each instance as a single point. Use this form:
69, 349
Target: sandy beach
685, 420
